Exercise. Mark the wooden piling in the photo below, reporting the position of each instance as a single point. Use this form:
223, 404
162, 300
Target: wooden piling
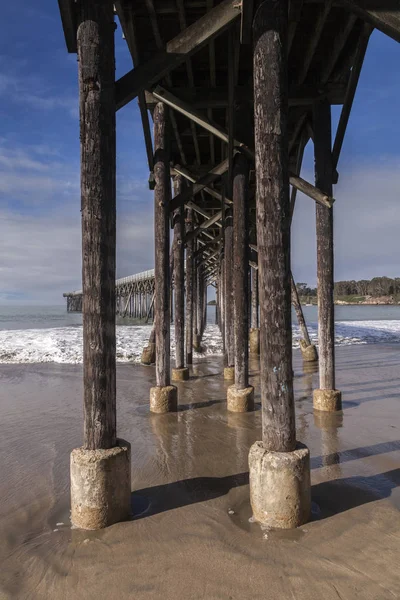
273, 224
240, 271
95, 44
189, 287
254, 298
299, 312
161, 237
204, 316
179, 275
222, 308
199, 298
228, 309
324, 219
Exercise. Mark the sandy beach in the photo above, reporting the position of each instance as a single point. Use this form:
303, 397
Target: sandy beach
191, 536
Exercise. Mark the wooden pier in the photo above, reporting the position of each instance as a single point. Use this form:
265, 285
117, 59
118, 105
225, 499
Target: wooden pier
134, 296
236, 89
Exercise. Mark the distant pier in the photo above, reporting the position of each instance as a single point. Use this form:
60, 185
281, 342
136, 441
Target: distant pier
134, 296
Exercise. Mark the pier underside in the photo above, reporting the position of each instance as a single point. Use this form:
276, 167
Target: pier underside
235, 91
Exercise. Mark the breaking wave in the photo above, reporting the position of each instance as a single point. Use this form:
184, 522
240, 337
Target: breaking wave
64, 344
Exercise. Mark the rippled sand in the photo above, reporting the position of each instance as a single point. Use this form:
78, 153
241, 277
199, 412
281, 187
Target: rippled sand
191, 536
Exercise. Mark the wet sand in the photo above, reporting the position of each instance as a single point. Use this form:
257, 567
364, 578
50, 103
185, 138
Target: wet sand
191, 536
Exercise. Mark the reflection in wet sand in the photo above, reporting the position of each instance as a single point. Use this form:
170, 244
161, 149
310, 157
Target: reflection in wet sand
191, 534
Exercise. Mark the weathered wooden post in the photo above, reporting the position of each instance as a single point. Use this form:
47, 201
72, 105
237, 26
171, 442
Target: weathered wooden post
189, 287
327, 397
240, 396
308, 350
100, 470
149, 351
204, 316
199, 305
196, 332
279, 467
229, 371
164, 396
222, 305
254, 337
180, 373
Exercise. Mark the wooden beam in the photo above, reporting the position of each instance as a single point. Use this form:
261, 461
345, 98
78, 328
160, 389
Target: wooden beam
209, 97
246, 22
187, 174
351, 91
200, 184
382, 14
295, 12
69, 23
128, 28
208, 223
176, 51
338, 45
307, 188
313, 42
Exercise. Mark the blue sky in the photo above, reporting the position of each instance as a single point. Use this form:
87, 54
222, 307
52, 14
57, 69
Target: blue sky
39, 168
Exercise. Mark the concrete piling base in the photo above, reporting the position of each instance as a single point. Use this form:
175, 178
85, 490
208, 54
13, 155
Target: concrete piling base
328, 400
163, 399
180, 374
280, 487
229, 373
309, 353
100, 486
149, 355
254, 340
240, 400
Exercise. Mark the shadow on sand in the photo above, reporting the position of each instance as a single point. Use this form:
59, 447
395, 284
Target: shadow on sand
339, 495
169, 496
332, 497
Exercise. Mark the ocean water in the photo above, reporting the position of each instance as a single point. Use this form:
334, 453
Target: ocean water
39, 334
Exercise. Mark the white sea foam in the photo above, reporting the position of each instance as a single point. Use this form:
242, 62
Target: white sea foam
64, 344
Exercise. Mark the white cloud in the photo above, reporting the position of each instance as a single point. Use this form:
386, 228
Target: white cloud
40, 243
366, 224
20, 88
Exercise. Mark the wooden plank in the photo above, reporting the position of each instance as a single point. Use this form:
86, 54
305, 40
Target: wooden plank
179, 278
161, 238
95, 45
240, 271
176, 51
324, 219
273, 225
